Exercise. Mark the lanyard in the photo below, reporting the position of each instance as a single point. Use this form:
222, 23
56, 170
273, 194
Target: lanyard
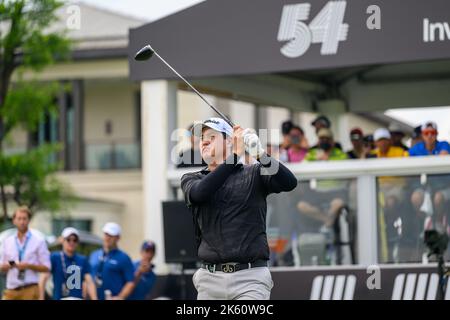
103, 259
63, 264
21, 249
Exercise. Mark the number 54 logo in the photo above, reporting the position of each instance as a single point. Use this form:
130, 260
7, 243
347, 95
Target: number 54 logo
326, 28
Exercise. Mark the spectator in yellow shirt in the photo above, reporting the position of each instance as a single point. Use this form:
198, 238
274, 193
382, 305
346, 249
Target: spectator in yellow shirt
384, 147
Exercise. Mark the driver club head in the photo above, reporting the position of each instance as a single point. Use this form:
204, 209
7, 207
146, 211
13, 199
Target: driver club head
144, 54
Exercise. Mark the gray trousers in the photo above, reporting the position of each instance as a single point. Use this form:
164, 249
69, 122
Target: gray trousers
248, 284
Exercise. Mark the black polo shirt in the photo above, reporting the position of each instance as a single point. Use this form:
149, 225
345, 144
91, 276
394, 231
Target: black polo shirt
230, 210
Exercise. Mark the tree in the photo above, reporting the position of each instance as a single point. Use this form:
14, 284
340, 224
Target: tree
27, 44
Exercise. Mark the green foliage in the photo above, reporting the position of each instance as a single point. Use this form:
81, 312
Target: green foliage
27, 102
27, 43
27, 36
31, 177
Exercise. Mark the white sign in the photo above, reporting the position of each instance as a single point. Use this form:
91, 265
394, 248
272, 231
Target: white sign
326, 28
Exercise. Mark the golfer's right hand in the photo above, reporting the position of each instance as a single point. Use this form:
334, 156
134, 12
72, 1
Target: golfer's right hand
238, 140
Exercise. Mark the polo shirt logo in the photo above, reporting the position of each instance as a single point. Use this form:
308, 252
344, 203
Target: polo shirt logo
74, 280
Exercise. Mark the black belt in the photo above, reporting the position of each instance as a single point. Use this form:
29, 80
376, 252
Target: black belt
231, 267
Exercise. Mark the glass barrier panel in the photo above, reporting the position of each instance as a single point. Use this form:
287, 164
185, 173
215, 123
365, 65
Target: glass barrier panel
406, 207
314, 224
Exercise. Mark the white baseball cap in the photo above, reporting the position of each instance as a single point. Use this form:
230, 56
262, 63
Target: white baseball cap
429, 124
112, 228
381, 133
217, 124
69, 231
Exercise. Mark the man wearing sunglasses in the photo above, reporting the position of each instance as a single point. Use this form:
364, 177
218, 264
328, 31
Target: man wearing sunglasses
430, 145
70, 270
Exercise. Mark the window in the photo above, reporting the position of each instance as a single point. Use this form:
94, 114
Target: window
58, 224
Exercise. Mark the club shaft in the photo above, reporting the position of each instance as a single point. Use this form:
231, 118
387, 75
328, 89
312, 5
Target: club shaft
195, 90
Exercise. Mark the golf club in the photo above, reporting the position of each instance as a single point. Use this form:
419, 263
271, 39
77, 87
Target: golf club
147, 52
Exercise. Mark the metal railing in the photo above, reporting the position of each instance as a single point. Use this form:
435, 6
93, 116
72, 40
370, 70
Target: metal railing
112, 154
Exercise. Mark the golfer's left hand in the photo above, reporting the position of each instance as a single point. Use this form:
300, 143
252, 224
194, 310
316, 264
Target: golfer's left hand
252, 143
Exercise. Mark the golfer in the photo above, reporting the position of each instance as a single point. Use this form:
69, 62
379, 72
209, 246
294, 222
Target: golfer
228, 202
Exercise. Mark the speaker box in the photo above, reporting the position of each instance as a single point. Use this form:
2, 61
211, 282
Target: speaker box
179, 236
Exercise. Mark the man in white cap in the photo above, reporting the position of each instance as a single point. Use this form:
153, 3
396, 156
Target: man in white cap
112, 268
70, 270
384, 147
228, 202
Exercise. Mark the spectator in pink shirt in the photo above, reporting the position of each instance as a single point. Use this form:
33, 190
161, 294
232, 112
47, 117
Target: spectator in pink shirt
24, 255
298, 147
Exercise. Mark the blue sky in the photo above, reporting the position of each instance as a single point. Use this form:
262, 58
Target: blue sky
155, 9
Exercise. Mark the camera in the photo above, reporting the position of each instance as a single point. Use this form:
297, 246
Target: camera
12, 263
436, 242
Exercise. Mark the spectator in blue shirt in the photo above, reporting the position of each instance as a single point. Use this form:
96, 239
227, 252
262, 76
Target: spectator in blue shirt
437, 185
144, 277
112, 268
70, 271
430, 145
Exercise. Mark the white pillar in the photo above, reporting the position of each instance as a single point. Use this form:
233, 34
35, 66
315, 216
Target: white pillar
159, 105
367, 227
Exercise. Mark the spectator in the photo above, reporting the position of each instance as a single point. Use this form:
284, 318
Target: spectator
144, 277
326, 148
112, 268
296, 152
416, 137
63, 269
24, 255
286, 127
430, 145
322, 122
384, 147
397, 136
357, 139
191, 157
437, 185
369, 144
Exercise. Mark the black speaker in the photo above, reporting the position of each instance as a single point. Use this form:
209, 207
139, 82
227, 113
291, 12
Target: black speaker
179, 237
